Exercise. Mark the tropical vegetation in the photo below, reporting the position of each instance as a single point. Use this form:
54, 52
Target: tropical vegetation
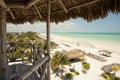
29, 37
112, 76
58, 60
21, 51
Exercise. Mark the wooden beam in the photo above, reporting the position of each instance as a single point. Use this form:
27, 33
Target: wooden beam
40, 16
2, 3
46, 2
77, 6
32, 2
63, 5
16, 5
23, 5
3, 59
85, 4
11, 13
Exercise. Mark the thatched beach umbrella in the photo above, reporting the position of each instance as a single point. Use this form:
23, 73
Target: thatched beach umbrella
109, 68
21, 11
74, 54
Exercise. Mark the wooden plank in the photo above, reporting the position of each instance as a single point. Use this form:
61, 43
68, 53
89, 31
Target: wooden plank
48, 36
63, 5
3, 59
2, 3
40, 16
32, 2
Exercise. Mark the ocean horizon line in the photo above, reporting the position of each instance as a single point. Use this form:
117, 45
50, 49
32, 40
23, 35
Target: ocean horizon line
88, 32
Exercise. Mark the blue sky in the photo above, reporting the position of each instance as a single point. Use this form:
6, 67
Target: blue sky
109, 24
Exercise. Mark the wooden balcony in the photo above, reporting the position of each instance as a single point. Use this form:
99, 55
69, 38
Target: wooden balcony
27, 61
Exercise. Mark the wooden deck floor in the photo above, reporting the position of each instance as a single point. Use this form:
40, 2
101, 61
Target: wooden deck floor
15, 69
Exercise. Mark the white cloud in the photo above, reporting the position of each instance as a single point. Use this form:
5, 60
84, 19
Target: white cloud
64, 27
67, 26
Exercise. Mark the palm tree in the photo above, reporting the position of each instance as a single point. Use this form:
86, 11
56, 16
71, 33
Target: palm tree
58, 61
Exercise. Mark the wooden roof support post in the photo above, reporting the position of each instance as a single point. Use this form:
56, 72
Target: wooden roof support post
40, 16
63, 5
3, 60
2, 3
48, 36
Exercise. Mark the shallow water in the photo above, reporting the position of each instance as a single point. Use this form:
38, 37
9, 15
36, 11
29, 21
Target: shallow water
110, 37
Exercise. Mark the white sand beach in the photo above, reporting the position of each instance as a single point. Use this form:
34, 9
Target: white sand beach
89, 46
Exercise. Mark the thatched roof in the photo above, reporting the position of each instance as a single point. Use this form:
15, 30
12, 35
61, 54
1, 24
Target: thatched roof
20, 11
108, 68
74, 54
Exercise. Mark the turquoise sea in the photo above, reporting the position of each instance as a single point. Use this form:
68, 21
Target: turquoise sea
110, 37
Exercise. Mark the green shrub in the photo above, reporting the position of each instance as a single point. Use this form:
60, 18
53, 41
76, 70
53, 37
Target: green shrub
53, 44
86, 65
110, 76
117, 78
77, 73
69, 75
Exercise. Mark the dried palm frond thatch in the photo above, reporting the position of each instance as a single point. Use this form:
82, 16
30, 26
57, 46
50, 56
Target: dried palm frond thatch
109, 68
74, 54
21, 11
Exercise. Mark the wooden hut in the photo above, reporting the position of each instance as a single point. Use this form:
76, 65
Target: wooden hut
21, 11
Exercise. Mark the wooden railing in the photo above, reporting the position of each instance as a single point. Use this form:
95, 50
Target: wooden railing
40, 68
31, 53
